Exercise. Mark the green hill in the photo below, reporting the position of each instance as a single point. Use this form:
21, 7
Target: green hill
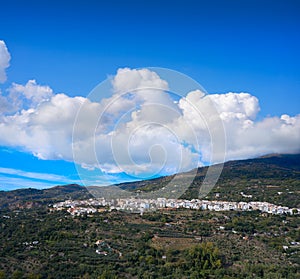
272, 178
263, 178
36, 242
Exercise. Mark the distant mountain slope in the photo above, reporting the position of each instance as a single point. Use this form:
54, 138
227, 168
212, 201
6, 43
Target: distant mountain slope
273, 178
261, 177
32, 197
278, 168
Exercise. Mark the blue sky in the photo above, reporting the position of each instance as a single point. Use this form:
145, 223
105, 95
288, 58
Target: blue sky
226, 46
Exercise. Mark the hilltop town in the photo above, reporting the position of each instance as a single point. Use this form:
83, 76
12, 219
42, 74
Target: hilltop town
78, 207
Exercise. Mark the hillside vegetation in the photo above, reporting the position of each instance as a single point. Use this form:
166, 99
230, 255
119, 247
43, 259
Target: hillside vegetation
36, 242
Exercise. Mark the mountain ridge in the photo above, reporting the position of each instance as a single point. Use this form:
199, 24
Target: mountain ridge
272, 172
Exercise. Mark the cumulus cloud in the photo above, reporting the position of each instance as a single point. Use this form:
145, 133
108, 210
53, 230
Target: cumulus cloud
32, 91
128, 80
132, 127
4, 61
45, 130
242, 106
270, 135
140, 129
4, 104
20, 97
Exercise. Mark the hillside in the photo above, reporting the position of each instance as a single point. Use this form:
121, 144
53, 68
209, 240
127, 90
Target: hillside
275, 179
39, 242
27, 198
263, 178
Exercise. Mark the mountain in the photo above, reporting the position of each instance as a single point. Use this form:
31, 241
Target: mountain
274, 178
27, 198
36, 242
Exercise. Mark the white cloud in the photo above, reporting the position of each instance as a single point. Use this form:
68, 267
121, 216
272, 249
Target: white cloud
4, 61
32, 91
128, 80
271, 135
34, 175
20, 97
44, 130
9, 183
150, 149
140, 129
242, 106
4, 104
11, 179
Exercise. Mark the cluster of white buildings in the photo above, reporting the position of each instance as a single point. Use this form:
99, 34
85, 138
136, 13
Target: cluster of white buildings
79, 207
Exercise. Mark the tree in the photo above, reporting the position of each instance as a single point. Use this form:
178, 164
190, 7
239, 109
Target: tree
203, 257
17, 275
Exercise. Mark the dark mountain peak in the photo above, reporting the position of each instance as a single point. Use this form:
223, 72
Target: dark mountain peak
66, 188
